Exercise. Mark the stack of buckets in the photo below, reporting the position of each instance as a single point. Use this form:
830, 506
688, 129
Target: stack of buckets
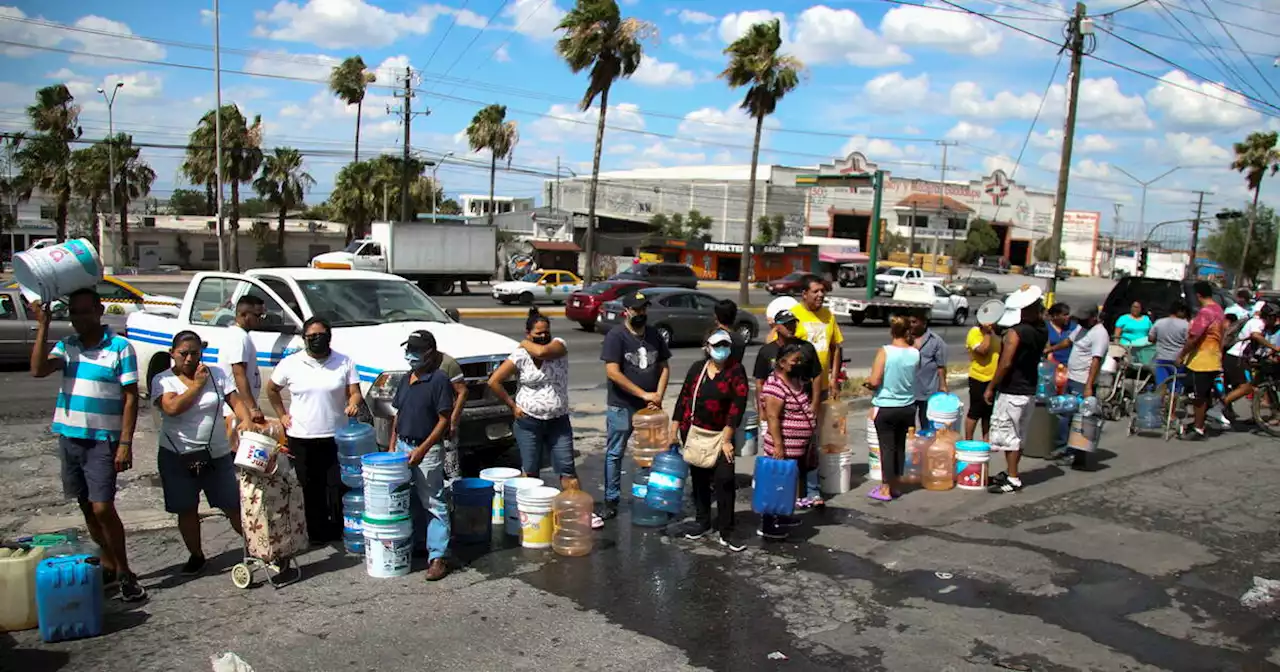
525, 506
835, 459
387, 521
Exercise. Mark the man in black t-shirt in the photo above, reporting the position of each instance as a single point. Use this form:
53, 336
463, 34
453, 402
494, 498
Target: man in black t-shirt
784, 325
1015, 382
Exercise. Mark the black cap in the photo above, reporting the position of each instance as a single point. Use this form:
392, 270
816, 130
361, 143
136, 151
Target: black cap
1086, 312
635, 300
421, 340
785, 316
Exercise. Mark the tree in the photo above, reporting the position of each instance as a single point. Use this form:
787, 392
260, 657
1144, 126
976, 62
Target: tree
1043, 248
771, 229
694, 226
490, 130
283, 183
44, 159
90, 179
891, 242
187, 202
353, 199
8, 183
1255, 157
1229, 243
754, 62
134, 178
596, 37
982, 239
350, 81
241, 156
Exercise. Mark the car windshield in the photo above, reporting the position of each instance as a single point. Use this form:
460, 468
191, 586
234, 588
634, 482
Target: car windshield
531, 277
897, 271
348, 303
353, 246
597, 289
793, 277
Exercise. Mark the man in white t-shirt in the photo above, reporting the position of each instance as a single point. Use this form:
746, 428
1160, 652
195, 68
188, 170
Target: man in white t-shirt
1089, 341
239, 357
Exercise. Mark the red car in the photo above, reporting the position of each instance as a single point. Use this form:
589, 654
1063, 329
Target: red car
584, 305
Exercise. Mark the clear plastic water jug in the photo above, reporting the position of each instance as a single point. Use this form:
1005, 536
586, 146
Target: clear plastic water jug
918, 445
352, 521
572, 535
833, 433
1064, 404
642, 515
651, 435
940, 462
666, 482
1149, 415
355, 439
1046, 386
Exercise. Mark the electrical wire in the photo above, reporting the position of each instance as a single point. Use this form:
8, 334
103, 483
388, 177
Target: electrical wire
456, 13
1211, 55
1172, 38
1252, 7
494, 54
502, 5
1236, 42
1228, 23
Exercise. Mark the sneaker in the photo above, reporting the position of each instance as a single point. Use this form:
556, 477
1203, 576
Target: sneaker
997, 479
804, 504
1008, 485
596, 521
608, 510
195, 565
817, 502
770, 536
695, 531
731, 545
1193, 434
130, 589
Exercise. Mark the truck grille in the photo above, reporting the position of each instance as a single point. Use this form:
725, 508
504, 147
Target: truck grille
476, 372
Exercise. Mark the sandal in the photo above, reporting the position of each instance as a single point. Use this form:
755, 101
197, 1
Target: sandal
597, 522
877, 494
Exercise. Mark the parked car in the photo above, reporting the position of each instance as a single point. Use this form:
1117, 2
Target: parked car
546, 286
585, 304
661, 275
18, 325
852, 275
789, 284
680, 316
908, 295
888, 279
1157, 296
994, 265
974, 285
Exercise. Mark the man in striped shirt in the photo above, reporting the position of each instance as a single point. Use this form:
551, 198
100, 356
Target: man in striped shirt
94, 418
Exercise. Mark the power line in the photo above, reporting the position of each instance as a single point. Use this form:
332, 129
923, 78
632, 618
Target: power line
445, 36
1254, 8
1228, 23
1172, 38
1213, 57
494, 54
1236, 42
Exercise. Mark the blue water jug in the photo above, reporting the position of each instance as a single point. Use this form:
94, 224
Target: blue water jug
1149, 415
775, 490
69, 597
641, 513
353, 521
1064, 404
666, 482
356, 439
1045, 385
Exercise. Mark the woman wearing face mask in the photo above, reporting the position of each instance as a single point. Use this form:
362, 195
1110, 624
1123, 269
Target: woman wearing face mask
541, 405
792, 423
711, 404
195, 454
324, 390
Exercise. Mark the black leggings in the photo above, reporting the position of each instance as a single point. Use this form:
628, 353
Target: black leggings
891, 429
316, 465
714, 482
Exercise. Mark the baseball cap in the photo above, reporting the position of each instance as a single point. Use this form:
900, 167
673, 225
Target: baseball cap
420, 340
1086, 312
785, 316
635, 300
720, 337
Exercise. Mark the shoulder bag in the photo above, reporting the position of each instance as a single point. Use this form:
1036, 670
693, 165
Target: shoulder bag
200, 458
701, 446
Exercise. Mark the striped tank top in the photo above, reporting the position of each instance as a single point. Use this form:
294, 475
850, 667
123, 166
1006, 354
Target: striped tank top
798, 421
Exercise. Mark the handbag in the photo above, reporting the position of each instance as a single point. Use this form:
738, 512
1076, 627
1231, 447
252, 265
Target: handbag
198, 459
701, 446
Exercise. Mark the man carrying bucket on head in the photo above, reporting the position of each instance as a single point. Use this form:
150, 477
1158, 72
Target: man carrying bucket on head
1015, 380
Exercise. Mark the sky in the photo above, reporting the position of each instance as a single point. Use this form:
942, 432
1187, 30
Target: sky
1170, 84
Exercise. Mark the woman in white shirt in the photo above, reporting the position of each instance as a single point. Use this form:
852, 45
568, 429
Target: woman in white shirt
195, 453
324, 390
541, 405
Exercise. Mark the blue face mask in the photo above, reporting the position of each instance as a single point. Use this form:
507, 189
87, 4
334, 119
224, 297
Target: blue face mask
415, 360
720, 353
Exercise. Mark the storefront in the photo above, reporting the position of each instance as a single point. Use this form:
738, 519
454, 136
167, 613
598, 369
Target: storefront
723, 261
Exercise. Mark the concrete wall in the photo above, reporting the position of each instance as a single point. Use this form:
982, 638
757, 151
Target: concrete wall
160, 246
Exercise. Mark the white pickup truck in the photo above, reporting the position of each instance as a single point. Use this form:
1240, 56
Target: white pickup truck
943, 304
888, 279
371, 315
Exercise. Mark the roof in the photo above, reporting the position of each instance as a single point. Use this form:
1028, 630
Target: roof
738, 173
323, 274
930, 202
555, 245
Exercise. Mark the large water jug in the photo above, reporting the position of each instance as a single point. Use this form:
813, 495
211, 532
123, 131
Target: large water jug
833, 433
18, 587
1149, 415
666, 482
1064, 404
940, 462
651, 435
352, 521
572, 510
69, 597
356, 439
1045, 383
918, 445
775, 489
642, 515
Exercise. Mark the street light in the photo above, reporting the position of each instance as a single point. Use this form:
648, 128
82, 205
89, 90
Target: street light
435, 185
111, 157
1142, 208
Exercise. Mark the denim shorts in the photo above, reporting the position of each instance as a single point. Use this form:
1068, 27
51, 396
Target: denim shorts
182, 488
88, 469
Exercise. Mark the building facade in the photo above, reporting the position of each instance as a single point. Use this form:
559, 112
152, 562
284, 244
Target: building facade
474, 205
190, 242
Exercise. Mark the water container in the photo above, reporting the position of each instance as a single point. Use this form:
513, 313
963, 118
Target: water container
572, 509
18, 587
536, 521
917, 448
940, 462
835, 472
498, 476
971, 464
388, 547
351, 470
1064, 404
641, 514
254, 451
944, 409
1149, 411
387, 485
69, 597
1045, 383
511, 502
746, 440
775, 489
472, 510
651, 435
352, 521
356, 439
833, 432
57, 270
666, 483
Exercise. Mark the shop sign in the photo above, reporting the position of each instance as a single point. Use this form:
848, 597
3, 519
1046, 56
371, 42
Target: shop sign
734, 248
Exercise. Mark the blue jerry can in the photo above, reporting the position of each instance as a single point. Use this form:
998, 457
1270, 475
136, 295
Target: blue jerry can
775, 490
69, 597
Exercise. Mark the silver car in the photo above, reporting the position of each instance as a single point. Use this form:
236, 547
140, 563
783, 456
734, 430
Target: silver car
973, 285
679, 315
18, 327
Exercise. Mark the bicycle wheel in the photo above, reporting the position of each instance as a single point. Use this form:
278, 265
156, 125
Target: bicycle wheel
1266, 408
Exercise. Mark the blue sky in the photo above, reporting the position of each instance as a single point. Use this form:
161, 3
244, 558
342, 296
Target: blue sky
883, 78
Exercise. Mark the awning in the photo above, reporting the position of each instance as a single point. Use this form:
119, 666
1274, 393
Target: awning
555, 246
841, 255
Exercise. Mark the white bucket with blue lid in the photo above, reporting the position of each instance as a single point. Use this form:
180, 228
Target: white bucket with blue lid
57, 270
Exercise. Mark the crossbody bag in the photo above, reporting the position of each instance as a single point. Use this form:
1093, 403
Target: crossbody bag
701, 446
197, 459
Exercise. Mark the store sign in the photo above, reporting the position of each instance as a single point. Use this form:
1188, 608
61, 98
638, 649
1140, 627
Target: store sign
733, 248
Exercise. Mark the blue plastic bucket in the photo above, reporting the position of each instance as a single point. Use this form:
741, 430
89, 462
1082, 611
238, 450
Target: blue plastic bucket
472, 510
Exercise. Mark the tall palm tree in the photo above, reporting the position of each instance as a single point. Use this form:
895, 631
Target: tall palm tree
134, 178
1255, 157
90, 180
241, 157
283, 183
754, 62
596, 37
356, 195
490, 130
44, 159
350, 81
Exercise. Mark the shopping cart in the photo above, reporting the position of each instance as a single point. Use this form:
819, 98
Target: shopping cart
272, 514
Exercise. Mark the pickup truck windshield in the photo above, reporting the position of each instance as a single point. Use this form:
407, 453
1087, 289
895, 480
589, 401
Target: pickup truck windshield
347, 303
896, 271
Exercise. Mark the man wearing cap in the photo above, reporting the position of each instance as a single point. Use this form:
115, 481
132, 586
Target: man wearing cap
1091, 340
1015, 380
421, 341
424, 401
784, 325
776, 306
635, 362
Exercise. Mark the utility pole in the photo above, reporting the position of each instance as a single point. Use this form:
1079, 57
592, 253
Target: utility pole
1195, 237
406, 114
111, 163
1076, 30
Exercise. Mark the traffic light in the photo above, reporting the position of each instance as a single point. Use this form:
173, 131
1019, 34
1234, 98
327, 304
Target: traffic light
1142, 261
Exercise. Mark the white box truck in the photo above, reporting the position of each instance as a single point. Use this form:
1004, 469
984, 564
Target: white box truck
434, 255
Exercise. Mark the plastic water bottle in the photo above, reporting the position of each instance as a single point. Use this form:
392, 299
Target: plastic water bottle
666, 482
352, 521
1149, 416
1064, 404
573, 535
1046, 385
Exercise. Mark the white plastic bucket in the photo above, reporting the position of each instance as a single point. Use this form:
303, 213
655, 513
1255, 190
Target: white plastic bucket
835, 472
873, 448
971, 469
57, 270
499, 476
388, 547
387, 485
511, 501
536, 521
254, 453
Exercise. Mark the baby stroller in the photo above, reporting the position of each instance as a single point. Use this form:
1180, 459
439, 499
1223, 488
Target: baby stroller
271, 511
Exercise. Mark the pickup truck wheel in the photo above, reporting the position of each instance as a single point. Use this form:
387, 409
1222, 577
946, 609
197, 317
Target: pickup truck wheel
961, 317
856, 319
526, 299
444, 287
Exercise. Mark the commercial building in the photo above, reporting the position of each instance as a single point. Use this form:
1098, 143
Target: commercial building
475, 205
190, 242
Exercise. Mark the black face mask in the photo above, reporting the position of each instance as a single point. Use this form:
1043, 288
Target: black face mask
318, 344
638, 321
542, 339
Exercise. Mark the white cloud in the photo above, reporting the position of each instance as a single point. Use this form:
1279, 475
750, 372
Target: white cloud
536, 19
13, 29
567, 123
911, 130
666, 153
1188, 103
27, 33
1050, 161
967, 131
206, 17
303, 66
695, 17
342, 24
893, 92
968, 100
653, 72
1094, 143
909, 25
735, 25
501, 55
469, 19
873, 148
1102, 104
990, 164
731, 123
1091, 170
1050, 139
825, 35
1186, 149
146, 85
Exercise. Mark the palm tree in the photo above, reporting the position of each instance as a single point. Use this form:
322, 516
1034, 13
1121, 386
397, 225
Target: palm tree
350, 81
283, 183
1254, 158
241, 157
596, 37
754, 62
134, 178
356, 195
44, 159
490, 130
90, 180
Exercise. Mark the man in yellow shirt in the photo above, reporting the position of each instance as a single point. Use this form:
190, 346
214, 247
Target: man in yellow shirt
984, 354
817, 324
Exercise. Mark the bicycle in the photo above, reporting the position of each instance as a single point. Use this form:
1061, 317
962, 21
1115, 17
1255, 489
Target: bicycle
1266, 398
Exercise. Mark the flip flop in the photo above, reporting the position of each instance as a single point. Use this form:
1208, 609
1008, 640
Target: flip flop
876, 494
596, 522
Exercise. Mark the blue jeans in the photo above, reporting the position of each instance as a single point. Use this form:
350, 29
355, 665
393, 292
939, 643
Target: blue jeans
430, 490
535, 437
1064, 421
617, 423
